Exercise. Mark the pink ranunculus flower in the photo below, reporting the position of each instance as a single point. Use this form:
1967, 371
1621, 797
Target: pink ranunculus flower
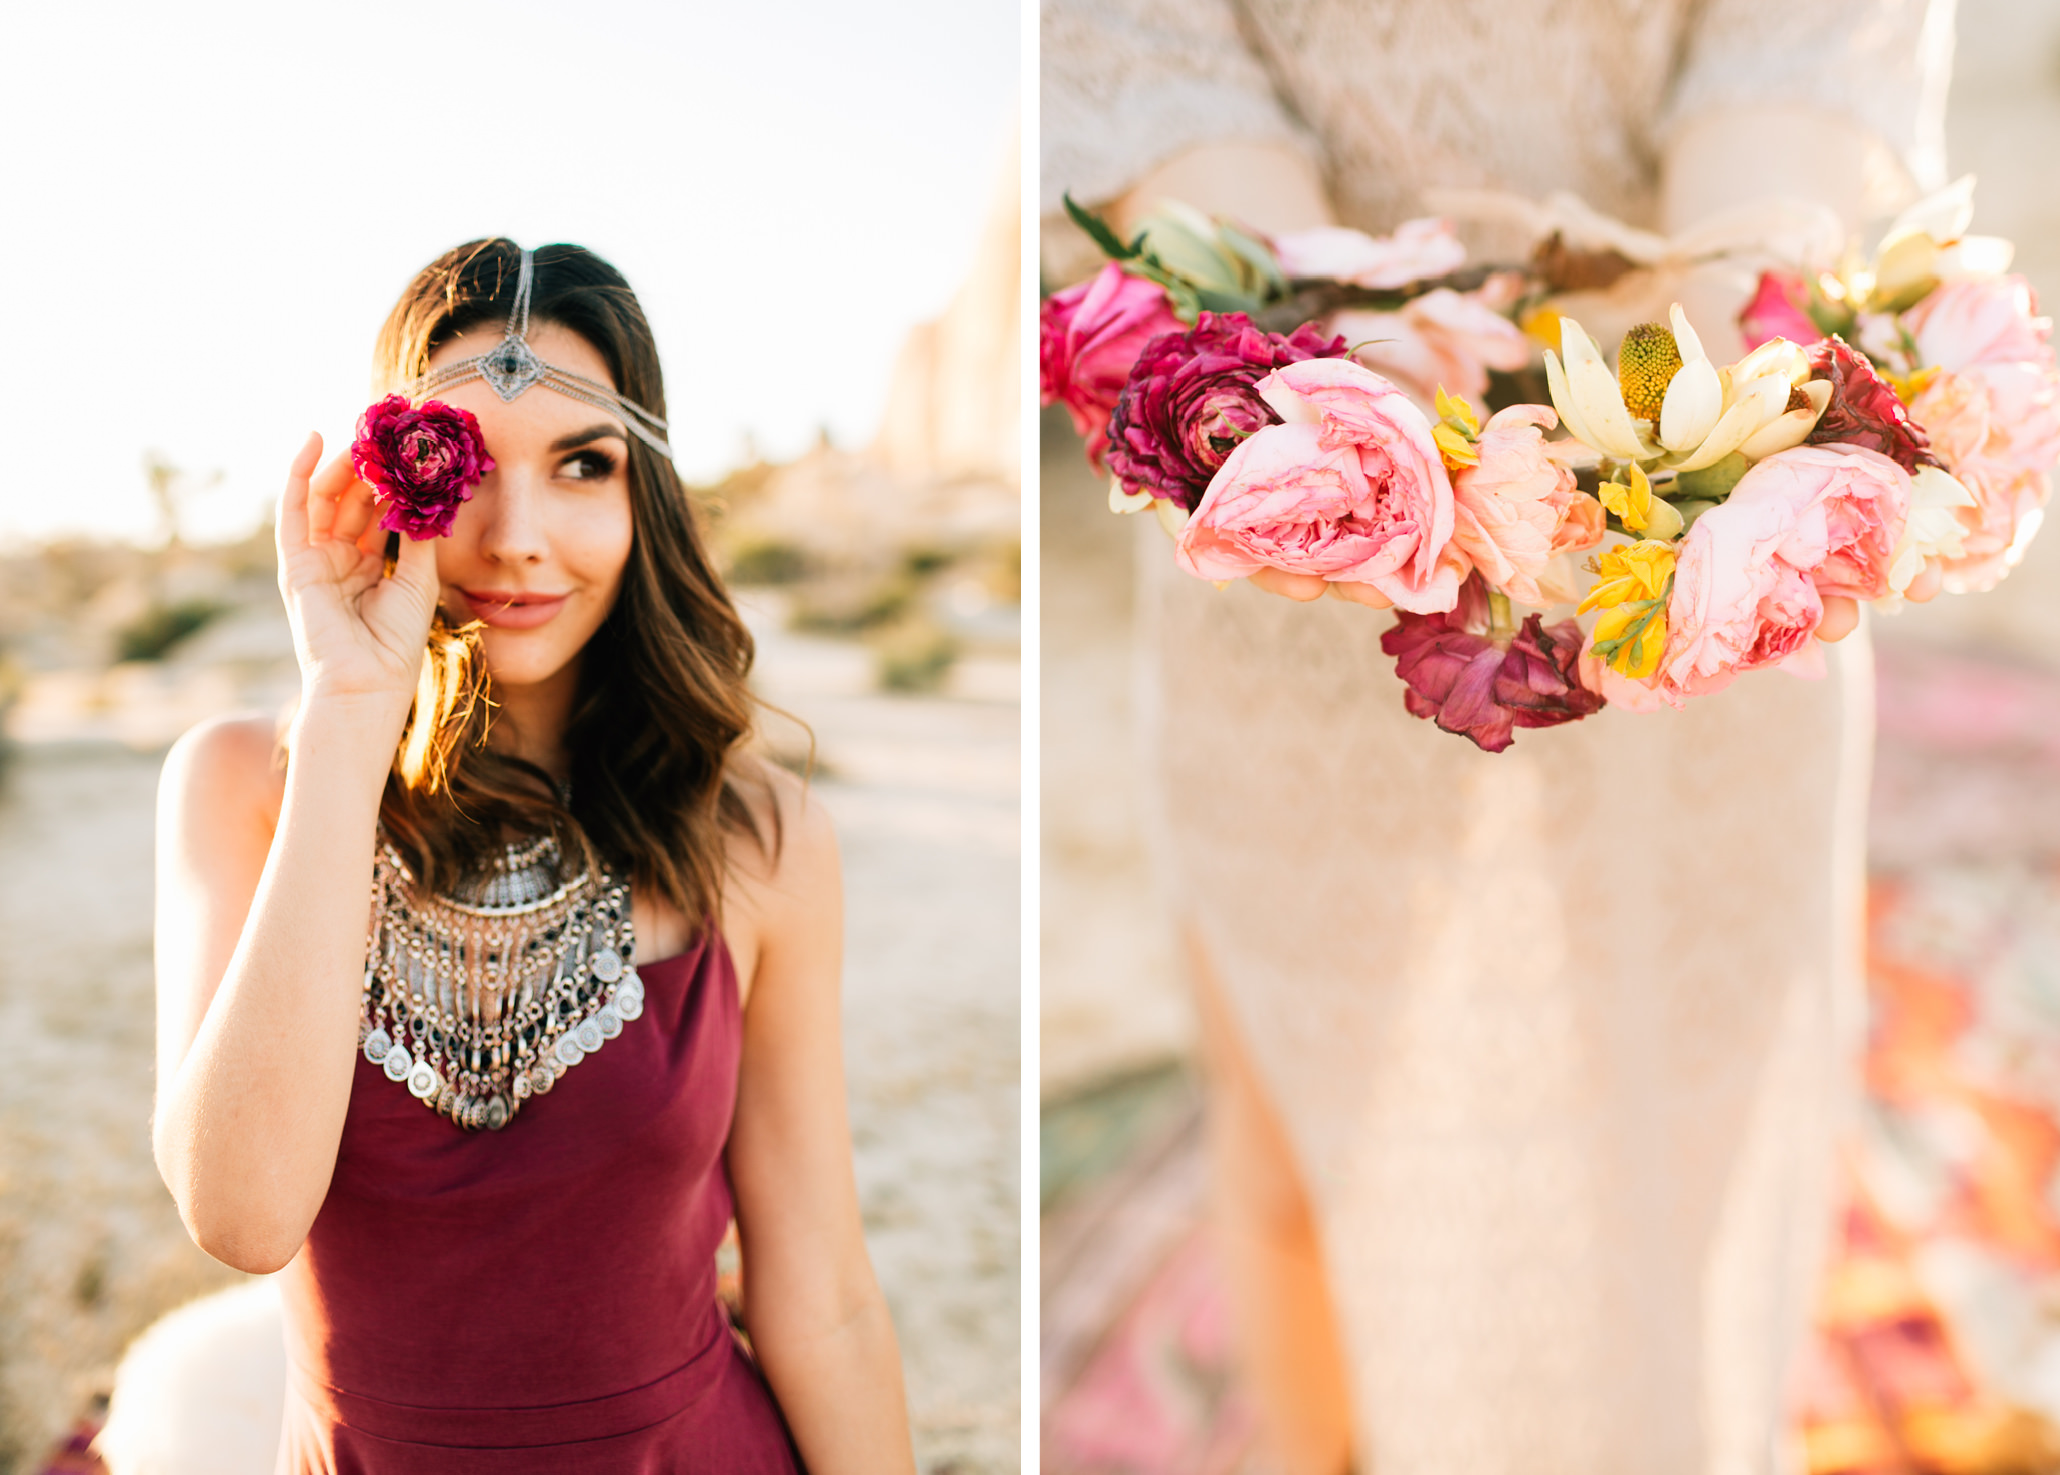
1416, 252
421, 461
1349, 488
1751, 575
1993, 414
1088, 337
1777, 311
1443, 338
1519, 508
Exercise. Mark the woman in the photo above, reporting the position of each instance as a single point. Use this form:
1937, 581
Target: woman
501, 730
1523, 1067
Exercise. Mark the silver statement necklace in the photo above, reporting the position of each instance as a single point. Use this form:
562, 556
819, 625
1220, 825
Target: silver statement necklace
480, 1000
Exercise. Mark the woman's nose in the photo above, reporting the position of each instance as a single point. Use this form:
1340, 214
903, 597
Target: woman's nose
514, 530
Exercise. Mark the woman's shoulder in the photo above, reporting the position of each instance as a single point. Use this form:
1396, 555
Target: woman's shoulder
792, 837
229, 763
783, 895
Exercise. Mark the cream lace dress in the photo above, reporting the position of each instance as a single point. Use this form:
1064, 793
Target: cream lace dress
1561, 1036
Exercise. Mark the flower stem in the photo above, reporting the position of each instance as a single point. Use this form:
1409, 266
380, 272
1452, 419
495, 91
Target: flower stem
1501, 619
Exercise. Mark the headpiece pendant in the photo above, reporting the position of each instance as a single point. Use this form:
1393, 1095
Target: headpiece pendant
512, 366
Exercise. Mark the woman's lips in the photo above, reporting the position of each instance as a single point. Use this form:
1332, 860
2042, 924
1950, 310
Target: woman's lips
509, 610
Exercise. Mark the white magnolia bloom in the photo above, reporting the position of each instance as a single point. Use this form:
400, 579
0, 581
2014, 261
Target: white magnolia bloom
1706, 414
1933, 531
1590, 404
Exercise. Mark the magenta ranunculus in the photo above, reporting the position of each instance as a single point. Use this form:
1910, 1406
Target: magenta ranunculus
1777, 310
421, 461
1192, 399
1088, 337
1350, 488
1469, 682
1864, 411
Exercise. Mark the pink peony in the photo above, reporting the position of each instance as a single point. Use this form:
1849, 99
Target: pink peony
422, 462
1751, 574
1351, 489
1777, 310
1983, 428
1519, 507
1418, 251
1443, 338
1088, 337
1993, 414
1981, 320
1472, 683
1851, 505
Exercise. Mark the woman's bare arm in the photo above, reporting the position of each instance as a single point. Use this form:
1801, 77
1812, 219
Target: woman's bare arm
813, 1304
261, 928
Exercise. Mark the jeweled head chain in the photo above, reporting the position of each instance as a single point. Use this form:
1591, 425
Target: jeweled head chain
512, 366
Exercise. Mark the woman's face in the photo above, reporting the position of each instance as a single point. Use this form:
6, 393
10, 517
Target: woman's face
538, 553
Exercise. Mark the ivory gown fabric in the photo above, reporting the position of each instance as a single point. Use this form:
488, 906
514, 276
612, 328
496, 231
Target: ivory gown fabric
1561, 1035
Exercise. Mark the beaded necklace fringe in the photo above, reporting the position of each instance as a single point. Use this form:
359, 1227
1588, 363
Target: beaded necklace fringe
481, 1000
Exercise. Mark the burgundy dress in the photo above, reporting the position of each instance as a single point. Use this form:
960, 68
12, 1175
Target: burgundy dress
540, 1298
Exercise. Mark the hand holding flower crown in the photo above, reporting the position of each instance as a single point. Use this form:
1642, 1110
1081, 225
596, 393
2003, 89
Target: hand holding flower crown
1891, 431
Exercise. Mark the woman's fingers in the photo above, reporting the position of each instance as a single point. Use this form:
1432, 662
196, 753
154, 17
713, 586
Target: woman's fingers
291, 527
1357, 593
372, 539
1925, 587
1302, 587
415, 566
1841, 617
356, 510
329, 484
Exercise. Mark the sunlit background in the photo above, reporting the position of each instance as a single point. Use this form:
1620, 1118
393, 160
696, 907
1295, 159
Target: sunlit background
211, 207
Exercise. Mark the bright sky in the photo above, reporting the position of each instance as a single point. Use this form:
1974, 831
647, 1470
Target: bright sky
209, 209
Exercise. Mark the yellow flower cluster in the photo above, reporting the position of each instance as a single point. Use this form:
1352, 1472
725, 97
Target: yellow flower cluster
1632, 595
1457, 432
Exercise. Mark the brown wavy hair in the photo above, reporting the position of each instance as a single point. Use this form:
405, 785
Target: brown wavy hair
663, 706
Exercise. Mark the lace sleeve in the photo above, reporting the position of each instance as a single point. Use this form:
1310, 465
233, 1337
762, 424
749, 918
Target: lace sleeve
1128, 84
1882, 63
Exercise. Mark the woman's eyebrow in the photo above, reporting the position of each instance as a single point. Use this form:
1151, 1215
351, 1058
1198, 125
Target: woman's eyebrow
585, 437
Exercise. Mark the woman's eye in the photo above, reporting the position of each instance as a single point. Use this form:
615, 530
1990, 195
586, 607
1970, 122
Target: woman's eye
589, 466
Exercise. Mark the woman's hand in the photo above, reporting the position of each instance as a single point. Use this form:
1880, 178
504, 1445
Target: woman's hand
358, 631
263, 881
1304, 587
